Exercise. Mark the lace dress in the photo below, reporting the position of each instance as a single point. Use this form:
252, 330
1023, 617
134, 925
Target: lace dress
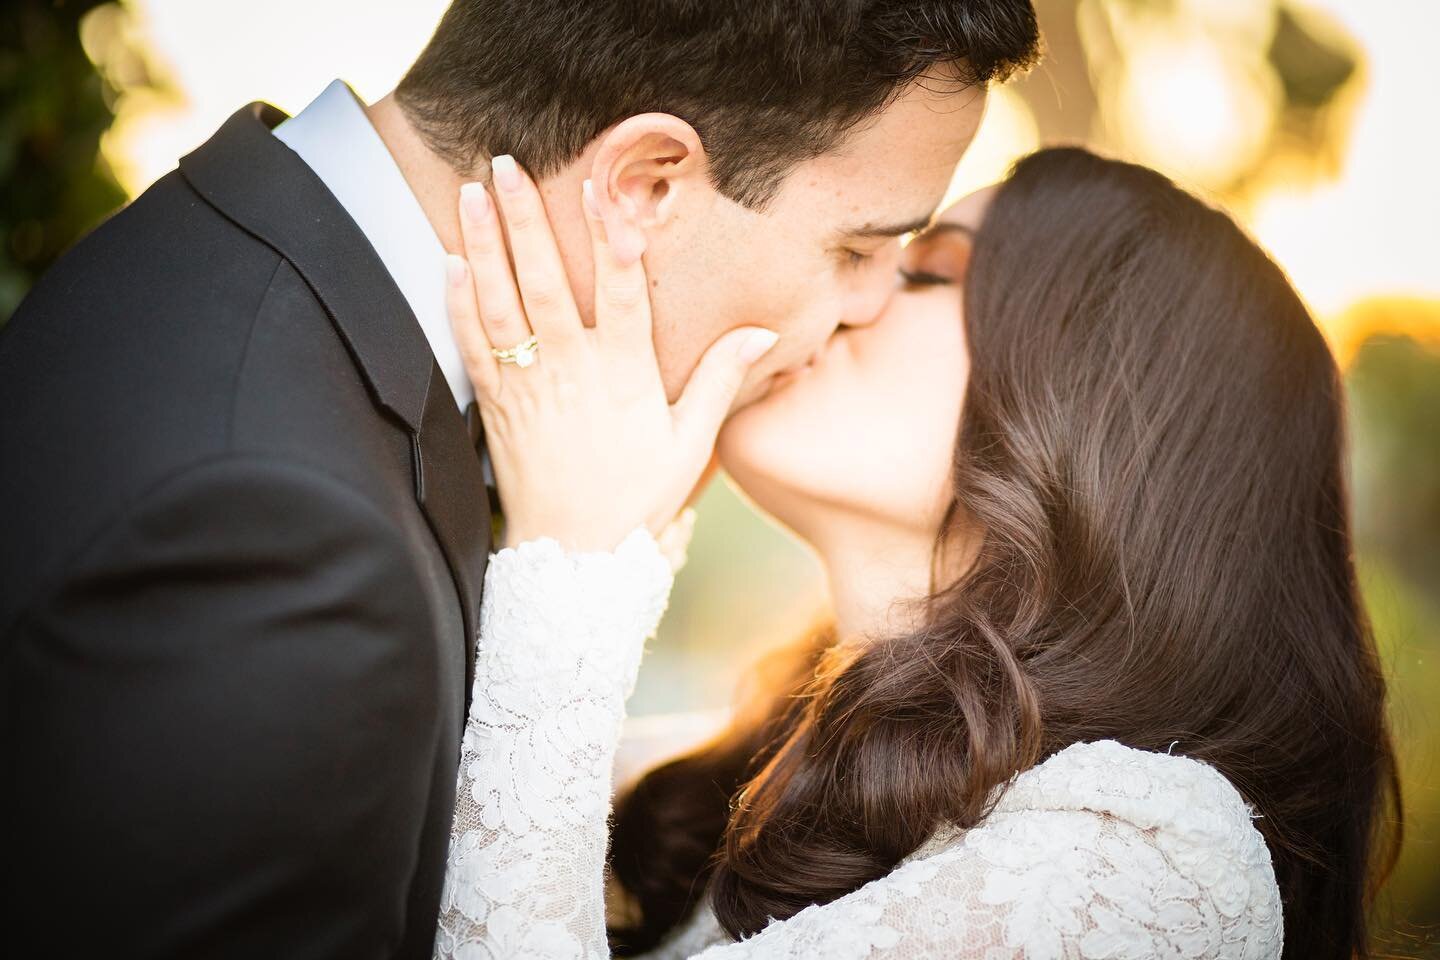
1102, 851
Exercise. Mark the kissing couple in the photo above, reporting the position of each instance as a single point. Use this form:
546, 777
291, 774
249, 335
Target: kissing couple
346, 473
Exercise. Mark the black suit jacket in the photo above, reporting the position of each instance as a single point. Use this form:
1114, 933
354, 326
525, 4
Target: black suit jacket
244, 537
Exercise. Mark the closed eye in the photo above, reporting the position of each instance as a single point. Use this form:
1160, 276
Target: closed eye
921, 278
855, 259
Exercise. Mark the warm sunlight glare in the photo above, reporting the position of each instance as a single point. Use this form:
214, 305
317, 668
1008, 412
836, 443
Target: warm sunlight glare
1373, 230
1006, 134
1192, 108
221, 54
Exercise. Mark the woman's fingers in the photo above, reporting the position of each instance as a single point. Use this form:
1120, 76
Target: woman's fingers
622, 292
501, 313
539, 271
480, 364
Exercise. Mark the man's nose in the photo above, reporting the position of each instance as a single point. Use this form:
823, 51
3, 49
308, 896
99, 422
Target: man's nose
864, 307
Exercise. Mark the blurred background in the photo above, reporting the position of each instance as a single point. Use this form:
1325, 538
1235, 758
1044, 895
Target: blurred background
1313, 121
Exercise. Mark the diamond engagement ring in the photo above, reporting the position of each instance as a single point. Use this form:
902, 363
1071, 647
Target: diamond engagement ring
522, 354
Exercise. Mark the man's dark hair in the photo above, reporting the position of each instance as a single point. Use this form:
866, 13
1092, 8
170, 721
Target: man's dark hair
767, 84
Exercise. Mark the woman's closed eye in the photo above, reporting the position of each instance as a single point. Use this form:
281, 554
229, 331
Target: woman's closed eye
922, 278
939, 255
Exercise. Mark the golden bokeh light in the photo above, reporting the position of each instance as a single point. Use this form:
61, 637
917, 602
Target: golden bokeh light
1198, 115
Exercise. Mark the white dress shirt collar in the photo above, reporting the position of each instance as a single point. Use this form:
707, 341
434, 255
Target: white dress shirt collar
336, 139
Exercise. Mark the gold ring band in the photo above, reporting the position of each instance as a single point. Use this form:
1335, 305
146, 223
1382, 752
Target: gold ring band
522, 354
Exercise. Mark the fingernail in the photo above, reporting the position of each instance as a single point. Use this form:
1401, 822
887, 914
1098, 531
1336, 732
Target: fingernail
455, 269
476, 201
587, 197
754, 346
507, 174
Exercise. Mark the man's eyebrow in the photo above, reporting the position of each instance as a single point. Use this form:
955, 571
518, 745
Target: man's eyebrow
890, 229
951, 226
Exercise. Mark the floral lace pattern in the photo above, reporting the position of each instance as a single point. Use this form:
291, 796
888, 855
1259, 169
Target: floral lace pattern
1102, 851
560, 642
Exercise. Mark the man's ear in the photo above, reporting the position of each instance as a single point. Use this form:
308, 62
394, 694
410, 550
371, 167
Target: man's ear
642, 165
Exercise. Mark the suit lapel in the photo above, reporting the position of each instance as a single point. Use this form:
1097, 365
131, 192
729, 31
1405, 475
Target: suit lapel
265, 188
451, 490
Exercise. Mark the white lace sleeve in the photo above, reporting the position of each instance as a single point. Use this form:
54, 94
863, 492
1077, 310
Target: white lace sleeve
560, 640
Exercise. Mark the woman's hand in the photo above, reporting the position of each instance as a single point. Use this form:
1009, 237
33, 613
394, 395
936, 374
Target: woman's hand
584, 444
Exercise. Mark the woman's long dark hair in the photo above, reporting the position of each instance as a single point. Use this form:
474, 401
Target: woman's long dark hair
1152, 454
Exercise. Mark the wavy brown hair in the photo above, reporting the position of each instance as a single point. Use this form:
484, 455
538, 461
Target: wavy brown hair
1151, 455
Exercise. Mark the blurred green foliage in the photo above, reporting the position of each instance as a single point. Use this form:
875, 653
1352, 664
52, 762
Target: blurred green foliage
1395, 401
1394, 394
54, 107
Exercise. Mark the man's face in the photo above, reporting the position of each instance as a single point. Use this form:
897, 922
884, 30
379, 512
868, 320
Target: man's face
823, 253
